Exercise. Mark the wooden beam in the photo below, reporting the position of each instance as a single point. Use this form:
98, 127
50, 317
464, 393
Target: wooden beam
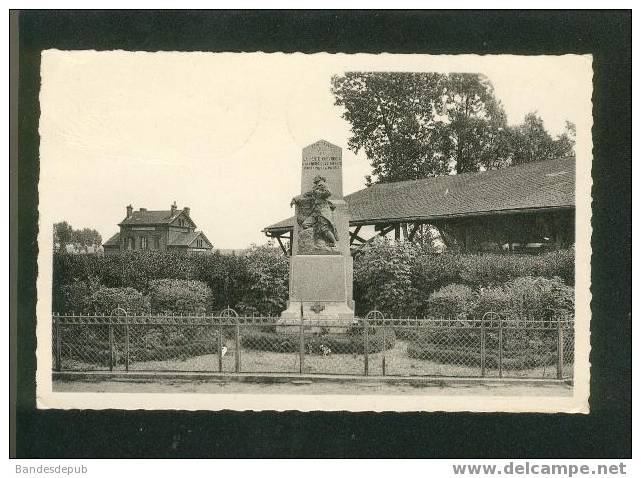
397, 232
413, 231
282, 246
405, 234
354, 235
380, 234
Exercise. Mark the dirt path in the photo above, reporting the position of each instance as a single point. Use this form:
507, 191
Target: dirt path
306, 386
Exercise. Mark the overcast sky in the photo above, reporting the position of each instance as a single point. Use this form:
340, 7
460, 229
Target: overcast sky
223, 133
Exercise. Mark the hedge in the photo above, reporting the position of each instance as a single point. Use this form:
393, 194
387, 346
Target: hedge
466, 356
350, 343
397, 279
146, 344
257, 279
179, 296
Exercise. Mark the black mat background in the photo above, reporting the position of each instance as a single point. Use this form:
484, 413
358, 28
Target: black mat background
606, 432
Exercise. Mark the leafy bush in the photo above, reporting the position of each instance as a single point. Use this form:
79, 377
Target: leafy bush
515, 359
539, 298
528, 298
450, 302
106, 299
383, 278
267, 288
179, 296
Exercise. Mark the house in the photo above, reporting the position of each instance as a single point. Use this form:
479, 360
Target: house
170, 230
525, 208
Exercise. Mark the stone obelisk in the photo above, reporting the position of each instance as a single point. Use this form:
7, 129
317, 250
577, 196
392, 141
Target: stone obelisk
321, 267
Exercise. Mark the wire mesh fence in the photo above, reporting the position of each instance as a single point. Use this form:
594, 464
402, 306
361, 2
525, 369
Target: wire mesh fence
489, 346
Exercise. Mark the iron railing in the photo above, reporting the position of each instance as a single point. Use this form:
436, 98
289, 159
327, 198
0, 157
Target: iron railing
493, 345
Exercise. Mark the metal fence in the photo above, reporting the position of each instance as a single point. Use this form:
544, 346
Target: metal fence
490, 346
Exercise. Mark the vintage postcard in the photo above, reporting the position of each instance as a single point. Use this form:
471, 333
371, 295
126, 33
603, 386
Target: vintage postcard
253, 231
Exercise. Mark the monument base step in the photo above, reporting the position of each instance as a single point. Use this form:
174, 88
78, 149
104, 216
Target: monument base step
337, 317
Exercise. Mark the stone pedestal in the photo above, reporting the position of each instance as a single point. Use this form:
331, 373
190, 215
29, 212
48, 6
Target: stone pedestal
322, 284
320, 276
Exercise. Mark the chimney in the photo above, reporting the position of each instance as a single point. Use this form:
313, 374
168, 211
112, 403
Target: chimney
174, 208
186, 211
130, 211
143, 209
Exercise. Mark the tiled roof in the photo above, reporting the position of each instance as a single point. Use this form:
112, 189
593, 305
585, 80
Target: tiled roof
150, 217
537, 185
188, 238
113, 240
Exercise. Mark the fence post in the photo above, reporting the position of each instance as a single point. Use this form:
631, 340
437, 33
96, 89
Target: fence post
483, 346
126, 344
559, 349
500, 346
384, 347
111, 345
237, 354
301, 345
58, 335
366, 344
220, 348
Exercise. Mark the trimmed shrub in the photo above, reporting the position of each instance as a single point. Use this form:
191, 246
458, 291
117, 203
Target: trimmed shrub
539, 298
350, 343
515, 359
169, 296
267, 289
106, 299
450, 302
527, 298
383, 278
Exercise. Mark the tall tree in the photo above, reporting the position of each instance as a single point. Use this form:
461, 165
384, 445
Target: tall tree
474, 121
416, 125
393, 120
62, 235
530, 141
85, 238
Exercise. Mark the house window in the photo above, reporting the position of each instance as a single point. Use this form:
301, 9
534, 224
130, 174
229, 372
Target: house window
130, 243
199, 243
156, 242
181, 223
143, 243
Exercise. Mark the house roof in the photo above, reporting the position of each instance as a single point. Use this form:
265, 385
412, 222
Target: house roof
146, 217
113, 240
185, 240
531, 186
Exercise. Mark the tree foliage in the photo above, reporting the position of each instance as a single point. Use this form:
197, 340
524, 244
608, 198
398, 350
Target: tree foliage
64, 234
417, 125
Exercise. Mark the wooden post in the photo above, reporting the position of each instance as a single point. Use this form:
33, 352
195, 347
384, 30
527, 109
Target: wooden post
220, 348
126, 344
237, 351
559, 349
301, 344
405, 233
58, 335
366, 346
111, 346
500, 347
483, 347
397, 232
